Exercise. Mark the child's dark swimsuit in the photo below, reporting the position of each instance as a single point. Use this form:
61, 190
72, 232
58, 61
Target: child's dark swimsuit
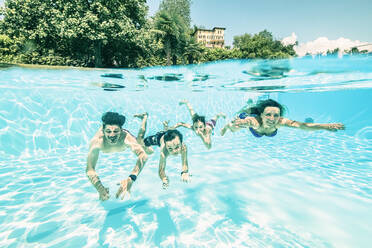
211, 123
254, 132
154, 140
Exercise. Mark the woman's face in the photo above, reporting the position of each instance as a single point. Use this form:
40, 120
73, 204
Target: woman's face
270, 117
199, 127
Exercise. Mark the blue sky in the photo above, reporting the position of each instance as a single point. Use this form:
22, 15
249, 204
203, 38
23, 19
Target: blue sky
308, 19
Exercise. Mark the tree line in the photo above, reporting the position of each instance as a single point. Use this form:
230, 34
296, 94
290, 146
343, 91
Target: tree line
115, 33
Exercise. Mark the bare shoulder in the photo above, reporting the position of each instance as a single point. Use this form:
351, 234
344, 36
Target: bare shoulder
282, 120
129, 138
96, 142
286, 122
99, 132
163, 152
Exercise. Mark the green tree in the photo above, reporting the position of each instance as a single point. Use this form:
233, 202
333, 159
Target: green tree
262, 45
354, 50
85, 30
171, 31
7, 47
193, 50
333, 52
173, 24
178, 7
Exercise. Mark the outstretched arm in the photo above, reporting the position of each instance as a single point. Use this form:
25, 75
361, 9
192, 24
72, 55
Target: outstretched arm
246, 122
188, 105
162, 175
206, 138
91, 172
217, 116
333, 127
238, 123
126, 184
179, 124
185, 176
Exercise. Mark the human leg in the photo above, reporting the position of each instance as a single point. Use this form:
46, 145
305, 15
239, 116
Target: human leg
142, 131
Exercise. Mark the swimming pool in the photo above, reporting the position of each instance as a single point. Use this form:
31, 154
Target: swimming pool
298, 189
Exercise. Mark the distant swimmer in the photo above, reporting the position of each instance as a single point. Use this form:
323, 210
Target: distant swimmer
170, 143
264, 119
110, 138
201, 128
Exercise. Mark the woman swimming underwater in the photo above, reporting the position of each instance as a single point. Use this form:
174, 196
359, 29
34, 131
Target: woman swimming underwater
264, 119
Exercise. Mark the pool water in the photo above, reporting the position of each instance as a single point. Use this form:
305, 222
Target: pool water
297, 189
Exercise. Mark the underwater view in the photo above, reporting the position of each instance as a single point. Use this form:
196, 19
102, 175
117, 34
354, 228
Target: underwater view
297, 189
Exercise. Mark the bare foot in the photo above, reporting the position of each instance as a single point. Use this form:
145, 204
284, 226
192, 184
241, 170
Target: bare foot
141, 116
221, 115
148, 150
165, 125
223, 130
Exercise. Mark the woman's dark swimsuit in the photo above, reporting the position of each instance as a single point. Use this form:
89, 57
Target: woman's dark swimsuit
154, 140
259, 135
254, 132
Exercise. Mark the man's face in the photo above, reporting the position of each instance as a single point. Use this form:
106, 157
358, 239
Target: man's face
112, 133
173, 146
270, 116
199, 127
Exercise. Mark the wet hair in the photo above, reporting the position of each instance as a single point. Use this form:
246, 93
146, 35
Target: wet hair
172, 134
196, 118
259, 108
113, 118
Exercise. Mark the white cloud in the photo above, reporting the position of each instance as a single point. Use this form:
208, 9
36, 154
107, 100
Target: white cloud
290, 40
322, 44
